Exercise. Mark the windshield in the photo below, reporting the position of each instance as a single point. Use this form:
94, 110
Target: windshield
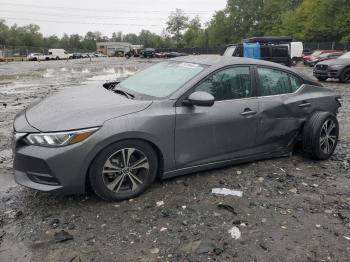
346, 55
230, 50
162, 79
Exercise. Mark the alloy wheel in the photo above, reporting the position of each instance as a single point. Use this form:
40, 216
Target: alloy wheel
328, 136
125, 170
346, 76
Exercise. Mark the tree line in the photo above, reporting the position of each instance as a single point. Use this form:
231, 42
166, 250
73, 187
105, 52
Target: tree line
304, 20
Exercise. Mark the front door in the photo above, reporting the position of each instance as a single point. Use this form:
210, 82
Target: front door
224, 131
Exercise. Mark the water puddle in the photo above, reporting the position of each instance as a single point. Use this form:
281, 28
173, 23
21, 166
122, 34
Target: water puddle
114, 73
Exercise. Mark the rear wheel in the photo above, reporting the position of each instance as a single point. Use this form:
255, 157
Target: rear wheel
123, 170
345, 76
320, 135
322, 78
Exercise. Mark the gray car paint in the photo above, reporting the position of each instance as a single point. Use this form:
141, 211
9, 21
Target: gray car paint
76, 107
186, 138
340, 61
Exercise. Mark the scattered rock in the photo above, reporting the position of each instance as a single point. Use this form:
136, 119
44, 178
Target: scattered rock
154, 251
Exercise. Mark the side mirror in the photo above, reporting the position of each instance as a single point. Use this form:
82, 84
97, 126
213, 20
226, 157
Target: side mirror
199, 98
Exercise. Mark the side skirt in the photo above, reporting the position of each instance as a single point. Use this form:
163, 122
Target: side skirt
219, 164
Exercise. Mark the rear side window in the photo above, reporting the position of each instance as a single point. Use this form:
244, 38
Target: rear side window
280, 51
276, 82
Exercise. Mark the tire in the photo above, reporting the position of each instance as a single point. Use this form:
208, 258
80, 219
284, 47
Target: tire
315, 140
121, 184
57, 58
322, 78
345, 76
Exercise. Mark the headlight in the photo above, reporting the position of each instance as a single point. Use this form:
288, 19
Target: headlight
59, 138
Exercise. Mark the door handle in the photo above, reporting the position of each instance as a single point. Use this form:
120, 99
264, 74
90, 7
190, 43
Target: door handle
304, 104
248, 112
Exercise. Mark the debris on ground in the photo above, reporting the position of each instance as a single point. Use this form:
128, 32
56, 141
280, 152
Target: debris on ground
227, 207
235, 232
62, 236
160, 203
154, 250
226, 192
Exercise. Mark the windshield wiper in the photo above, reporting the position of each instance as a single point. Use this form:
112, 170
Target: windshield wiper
123, 93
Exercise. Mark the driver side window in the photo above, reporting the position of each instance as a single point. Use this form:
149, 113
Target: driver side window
228, 84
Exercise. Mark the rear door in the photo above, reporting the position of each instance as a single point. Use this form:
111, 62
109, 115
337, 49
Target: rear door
282, 109
224, 131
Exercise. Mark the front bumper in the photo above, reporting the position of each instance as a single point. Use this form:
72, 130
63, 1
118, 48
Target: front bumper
61, 170
329, 73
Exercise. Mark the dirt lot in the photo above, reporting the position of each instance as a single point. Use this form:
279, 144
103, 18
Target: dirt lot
292, 209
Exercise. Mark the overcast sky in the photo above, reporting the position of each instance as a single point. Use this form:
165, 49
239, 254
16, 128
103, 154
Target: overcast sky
107, 16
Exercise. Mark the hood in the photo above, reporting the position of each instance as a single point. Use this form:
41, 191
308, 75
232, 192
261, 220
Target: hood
345, 61
80, 107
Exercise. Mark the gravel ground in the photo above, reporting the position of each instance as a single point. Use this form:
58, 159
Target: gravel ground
292, 209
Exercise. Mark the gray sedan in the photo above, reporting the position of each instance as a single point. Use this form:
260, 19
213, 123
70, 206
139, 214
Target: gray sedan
176, 117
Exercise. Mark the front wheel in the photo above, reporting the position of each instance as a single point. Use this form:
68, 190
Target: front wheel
320, 135
345, 76
123, 170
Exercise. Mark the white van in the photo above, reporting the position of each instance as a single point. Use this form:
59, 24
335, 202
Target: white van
58, 54
296, 52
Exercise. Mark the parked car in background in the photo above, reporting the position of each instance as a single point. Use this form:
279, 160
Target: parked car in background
296, 51
174, 54
307, 51
335, 68
37, 57
77, 56
160, 54
315, 54
97, 54
58, 54
176, 117
322, 57
148, 52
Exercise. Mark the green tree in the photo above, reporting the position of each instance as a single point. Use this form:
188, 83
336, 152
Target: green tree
177, 22
194, 30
